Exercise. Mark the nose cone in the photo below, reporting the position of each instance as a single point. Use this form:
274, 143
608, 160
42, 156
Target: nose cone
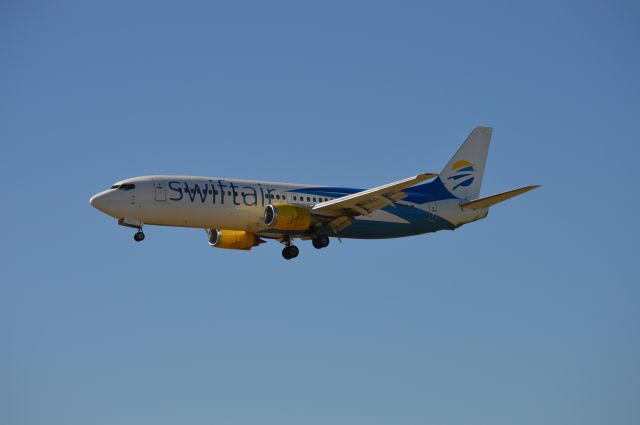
98, 201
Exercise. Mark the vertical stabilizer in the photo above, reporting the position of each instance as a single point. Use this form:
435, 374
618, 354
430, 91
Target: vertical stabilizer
462, 176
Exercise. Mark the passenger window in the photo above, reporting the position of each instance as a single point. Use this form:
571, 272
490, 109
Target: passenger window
294, 198
314, 199
277, 196
308, 199
228, 193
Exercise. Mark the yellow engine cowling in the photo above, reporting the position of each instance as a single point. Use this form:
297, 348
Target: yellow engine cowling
233, 239
287, 217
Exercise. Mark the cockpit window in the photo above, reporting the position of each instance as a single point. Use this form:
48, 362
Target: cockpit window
127, 186
115, 186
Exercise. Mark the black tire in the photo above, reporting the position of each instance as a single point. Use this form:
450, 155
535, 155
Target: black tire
138, 237
289, 252
320, 242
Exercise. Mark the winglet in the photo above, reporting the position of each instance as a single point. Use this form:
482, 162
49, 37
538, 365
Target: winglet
488, 201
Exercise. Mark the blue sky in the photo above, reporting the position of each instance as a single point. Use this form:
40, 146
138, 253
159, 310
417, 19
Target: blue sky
530, 316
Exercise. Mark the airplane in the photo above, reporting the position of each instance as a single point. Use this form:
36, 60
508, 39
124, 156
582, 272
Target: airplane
241, 214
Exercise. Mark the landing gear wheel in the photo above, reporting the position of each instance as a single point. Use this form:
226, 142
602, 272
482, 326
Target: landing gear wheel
290, 251
320, 242
139, 236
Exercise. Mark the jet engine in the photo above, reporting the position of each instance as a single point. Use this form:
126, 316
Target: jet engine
287, 217
233, 239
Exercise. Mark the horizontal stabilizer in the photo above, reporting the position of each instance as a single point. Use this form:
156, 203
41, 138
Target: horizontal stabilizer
488, 201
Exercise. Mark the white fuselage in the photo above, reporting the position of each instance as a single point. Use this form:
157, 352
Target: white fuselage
217, 203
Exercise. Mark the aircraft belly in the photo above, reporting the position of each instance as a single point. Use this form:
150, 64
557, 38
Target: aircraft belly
408, 221
201, 216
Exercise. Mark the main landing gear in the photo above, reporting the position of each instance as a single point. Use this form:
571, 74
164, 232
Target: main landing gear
320, 241
290, 251
139, 236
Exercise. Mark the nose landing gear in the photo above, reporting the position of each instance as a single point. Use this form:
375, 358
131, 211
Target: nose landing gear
134, 224
139, 236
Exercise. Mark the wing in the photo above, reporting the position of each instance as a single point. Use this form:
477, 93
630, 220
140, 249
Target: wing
367, 201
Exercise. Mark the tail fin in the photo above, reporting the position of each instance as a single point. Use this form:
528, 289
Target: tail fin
462, 176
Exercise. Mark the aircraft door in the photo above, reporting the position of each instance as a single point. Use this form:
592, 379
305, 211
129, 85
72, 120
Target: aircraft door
160, 189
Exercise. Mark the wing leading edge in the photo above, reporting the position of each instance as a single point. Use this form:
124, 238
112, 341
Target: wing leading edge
368, 201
